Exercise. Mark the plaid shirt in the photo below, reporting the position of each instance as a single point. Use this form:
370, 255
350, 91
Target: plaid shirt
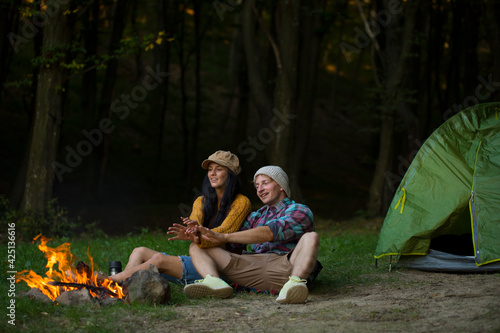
287, 220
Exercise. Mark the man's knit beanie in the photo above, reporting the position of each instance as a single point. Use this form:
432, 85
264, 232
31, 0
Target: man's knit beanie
278, 175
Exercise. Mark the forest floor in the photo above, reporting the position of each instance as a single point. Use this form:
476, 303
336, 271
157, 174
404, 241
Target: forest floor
417, 302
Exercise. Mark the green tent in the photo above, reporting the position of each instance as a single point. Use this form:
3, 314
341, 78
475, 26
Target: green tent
451, 188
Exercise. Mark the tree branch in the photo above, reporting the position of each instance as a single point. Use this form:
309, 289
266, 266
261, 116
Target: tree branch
270, 38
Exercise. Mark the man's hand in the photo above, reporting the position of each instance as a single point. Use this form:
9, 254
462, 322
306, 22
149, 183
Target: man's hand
210, 235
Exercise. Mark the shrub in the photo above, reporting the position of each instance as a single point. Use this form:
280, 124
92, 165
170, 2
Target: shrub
54, 221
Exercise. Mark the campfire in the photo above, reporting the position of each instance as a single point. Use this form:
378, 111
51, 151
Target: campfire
67, 276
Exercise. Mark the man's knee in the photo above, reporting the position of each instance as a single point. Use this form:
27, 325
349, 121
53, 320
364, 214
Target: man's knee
310, 239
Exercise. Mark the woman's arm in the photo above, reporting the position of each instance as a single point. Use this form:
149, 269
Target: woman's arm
238, 211
197, 212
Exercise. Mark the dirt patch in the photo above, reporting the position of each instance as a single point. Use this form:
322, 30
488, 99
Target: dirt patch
418, 302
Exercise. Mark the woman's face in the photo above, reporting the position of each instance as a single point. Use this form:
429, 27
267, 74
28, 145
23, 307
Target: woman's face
217, 175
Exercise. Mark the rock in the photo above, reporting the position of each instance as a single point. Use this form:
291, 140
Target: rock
111, 301
36, 294
147, 287
75, 297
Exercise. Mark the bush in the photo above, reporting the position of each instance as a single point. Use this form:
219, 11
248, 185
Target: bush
54, 221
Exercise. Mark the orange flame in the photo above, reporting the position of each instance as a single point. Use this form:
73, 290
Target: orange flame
66, 272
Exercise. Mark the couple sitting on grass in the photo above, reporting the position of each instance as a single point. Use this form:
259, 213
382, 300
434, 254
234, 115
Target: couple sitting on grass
284, 246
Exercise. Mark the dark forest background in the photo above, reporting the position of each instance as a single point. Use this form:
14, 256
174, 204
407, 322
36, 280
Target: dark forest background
110, 106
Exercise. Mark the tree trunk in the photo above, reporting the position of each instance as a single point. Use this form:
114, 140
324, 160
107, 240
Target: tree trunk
470, 36
48, 114
184, 99
89, 93
9, 18
492, 15
17, 193
118, 19
260, 97
160, 94
310, 40
277, 111
286, 82
392, 50
197, 4
453, 77
239, 101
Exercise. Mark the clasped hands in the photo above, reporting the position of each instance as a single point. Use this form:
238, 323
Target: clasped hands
192, 231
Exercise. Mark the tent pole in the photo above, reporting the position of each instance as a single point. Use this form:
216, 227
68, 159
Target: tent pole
390, 263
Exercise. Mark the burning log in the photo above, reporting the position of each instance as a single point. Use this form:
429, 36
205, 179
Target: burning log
83, 269
94, 289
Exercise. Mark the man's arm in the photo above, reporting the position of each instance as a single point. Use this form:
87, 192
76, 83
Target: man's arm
251, 236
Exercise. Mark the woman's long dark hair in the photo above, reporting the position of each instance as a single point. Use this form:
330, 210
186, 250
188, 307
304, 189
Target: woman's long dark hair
232, 189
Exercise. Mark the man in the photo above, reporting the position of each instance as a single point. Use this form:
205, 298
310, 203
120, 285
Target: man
284, 250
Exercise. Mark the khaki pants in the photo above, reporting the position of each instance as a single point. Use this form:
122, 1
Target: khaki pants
267, 271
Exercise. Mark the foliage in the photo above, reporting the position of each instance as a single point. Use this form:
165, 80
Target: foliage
80, 61
54, 221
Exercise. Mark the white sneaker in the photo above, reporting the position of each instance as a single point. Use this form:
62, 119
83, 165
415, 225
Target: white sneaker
209, 286
294, 291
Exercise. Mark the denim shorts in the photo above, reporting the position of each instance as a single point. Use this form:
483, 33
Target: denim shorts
189, 273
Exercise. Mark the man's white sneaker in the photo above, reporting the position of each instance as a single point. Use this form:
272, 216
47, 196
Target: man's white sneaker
209, 286
294, 291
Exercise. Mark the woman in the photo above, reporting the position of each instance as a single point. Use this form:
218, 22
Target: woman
221, 208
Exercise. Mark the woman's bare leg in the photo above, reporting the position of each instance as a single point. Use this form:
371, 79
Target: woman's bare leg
139, 256
142, 257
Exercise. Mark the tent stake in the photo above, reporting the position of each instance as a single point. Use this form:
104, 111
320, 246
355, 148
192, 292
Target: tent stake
390, 263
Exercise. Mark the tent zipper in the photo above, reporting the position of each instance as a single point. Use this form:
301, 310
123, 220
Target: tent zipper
472, 208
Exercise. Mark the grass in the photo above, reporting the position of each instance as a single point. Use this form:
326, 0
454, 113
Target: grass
346, 253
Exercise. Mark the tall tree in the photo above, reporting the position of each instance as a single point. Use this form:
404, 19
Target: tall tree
117, 25
9, 19
48, 113
29, 100
493, 19
89, 90
183, 64
280, 105
391, 51
286, 53
312, 31
260, 96
160, 94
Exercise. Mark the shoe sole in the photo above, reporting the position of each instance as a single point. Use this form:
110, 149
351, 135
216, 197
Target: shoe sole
294, 295
199, 291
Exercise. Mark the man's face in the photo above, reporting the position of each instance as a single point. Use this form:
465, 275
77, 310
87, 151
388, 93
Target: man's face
268, 191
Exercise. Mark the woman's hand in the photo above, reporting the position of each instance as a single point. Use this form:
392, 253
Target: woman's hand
189, 223
182, 233
179, 231
191, 231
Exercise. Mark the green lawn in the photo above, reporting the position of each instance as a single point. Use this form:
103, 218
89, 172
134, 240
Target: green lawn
346, 253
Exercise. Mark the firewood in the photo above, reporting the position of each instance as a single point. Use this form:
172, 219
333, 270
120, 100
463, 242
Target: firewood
97, 290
